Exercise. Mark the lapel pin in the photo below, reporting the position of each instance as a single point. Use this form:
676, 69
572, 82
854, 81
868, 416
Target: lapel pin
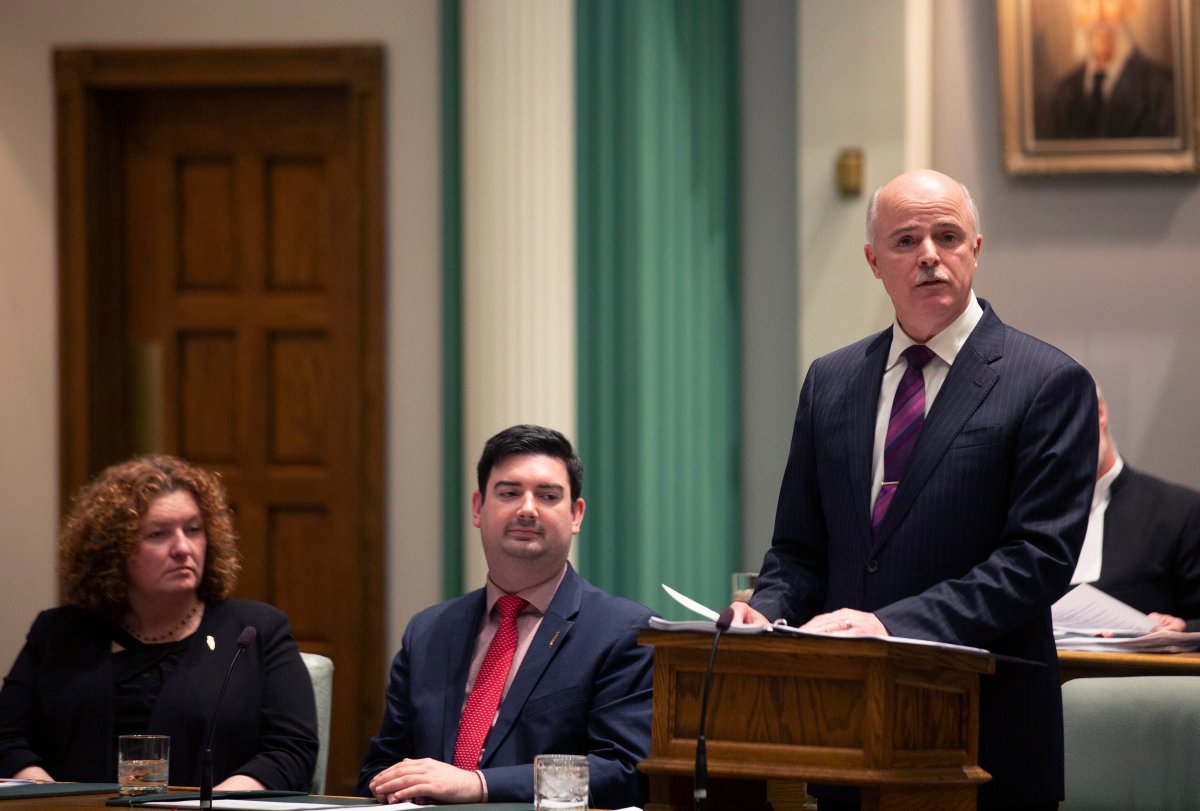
553, 638
212, 643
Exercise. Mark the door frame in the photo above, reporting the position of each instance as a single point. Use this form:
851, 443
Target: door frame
95, 389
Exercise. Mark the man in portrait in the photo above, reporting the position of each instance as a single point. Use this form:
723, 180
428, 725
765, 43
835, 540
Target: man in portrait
1115, 90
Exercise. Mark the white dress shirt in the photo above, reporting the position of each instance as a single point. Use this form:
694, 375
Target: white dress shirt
945, 347
1091, 557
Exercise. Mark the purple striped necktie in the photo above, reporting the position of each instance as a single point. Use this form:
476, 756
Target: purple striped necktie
904, 425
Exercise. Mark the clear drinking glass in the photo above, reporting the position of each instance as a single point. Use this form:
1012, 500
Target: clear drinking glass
560, 782
142, 763
743, 586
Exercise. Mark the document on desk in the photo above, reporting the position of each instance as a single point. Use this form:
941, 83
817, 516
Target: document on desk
315, 803
1087, 611
707, 625
234, 804
780, 627
1157, 642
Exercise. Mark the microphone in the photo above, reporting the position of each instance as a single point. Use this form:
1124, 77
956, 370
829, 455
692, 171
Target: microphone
245, 639
700, 788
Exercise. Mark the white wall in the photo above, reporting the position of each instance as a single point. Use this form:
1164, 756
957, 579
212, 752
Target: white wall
29, 31
1104, 267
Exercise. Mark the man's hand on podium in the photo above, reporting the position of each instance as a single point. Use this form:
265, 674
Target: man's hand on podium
743, 613
846, 621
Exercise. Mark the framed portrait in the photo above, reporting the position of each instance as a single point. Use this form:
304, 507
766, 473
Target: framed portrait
1098, 86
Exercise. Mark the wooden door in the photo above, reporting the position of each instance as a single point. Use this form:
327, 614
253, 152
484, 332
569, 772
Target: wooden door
234, 250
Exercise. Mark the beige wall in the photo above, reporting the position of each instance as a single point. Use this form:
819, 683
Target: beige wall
29, 30
847, 101
1103, 267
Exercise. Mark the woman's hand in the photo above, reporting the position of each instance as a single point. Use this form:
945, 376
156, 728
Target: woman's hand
36, 773
239, 782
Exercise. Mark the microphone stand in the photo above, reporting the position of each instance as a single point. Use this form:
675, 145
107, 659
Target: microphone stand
206, 769
700, 788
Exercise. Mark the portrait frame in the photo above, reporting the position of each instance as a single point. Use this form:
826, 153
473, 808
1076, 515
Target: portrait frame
1042, 81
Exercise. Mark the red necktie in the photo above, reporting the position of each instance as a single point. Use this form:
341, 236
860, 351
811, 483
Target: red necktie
904, 425
489, 685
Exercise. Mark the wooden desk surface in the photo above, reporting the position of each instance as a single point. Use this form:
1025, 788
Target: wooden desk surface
1074, 664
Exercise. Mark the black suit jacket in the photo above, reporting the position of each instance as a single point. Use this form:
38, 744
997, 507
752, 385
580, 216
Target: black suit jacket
583, 688
56, 707
980, 539
1151, 554
1141, 105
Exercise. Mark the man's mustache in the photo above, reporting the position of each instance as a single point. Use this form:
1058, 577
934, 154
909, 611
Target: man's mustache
933, 275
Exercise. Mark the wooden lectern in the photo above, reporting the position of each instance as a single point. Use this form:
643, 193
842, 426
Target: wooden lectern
900, 721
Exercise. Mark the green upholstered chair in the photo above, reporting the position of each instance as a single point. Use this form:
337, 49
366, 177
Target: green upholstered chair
320, 670
1132, 743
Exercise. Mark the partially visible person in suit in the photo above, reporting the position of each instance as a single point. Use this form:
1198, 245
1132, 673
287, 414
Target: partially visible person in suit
148, 557
538, 660
1143, 540
938, 485
1116, 91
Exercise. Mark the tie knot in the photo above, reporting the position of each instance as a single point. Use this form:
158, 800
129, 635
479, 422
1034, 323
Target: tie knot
510, 605
917, 355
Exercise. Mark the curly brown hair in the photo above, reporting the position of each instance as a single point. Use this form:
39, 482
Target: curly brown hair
103, 529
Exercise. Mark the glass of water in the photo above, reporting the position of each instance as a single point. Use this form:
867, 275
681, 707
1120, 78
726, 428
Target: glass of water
142, 763
743, 586
560, 782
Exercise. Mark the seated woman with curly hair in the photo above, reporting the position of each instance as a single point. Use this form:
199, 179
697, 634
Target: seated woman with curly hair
148, 557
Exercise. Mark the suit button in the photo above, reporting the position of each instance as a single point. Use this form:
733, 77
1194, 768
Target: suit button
872, 567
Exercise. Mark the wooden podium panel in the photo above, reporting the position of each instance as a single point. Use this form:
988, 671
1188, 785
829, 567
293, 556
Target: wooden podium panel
900, 721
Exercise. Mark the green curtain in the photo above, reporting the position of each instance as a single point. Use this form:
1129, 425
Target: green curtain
657, 117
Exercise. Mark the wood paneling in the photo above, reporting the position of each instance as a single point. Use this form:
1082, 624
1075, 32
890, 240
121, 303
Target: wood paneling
900, 721
207, 397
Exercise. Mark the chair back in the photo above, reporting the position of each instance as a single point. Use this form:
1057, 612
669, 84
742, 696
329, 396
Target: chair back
1132, 743
320, 670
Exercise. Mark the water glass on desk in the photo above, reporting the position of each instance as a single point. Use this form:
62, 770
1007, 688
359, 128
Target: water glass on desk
560, 782
743, 586
143, 762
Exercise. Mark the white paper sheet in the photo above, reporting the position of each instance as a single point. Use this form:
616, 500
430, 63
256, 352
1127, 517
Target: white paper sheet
779, 627
1086, 610
265, 805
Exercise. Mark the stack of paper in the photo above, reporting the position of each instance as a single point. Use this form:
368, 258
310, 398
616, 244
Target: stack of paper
1088, 619
709, 626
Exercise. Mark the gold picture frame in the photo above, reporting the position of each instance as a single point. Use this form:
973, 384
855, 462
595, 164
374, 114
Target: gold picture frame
1144, 120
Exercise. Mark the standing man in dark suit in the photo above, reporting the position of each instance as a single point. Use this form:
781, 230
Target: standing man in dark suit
537, 661
1143, 540
971, 540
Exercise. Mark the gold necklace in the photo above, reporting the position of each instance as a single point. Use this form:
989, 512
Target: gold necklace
153, 640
